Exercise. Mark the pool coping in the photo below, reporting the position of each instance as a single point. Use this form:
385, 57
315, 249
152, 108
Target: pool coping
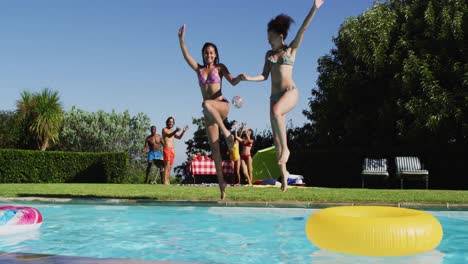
19, 258
270, 204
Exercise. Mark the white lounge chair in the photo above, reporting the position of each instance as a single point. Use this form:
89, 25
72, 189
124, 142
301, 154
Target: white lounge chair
374, 168
411, 167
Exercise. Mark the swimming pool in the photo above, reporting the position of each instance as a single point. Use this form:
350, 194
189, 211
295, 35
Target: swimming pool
204, 234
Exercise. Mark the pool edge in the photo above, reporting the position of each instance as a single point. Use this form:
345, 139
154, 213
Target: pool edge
273, 204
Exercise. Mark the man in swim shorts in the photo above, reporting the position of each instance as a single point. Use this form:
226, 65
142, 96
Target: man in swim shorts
153, 144
168, 135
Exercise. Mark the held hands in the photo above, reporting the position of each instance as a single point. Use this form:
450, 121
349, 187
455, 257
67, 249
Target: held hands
318, 3
243, 77
182, 32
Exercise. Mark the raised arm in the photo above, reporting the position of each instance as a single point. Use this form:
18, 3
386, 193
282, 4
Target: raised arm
191, 62
261, 77
244, 126
167, 133
248, 140
236, 135
181, 134
231, 79
300, 33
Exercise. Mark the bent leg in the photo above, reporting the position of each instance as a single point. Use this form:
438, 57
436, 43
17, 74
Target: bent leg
278, 112
218, 111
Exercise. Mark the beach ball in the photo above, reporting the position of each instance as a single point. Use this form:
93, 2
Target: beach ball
237, 101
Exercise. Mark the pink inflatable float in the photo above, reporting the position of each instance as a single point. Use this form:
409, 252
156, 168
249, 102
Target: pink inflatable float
18, 219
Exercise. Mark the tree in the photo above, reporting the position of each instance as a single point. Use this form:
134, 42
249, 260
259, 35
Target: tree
41, 115
9, 129
397, 75
104, 132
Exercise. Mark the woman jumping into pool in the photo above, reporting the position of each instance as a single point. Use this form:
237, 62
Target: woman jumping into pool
279, 62
215, 106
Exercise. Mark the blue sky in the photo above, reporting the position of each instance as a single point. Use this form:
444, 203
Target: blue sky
125, 55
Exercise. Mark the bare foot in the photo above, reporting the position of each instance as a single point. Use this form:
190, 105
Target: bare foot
284, 157
230, 140
284, 182
222, 188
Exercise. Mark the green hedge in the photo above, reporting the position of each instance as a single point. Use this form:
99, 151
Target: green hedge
29, 166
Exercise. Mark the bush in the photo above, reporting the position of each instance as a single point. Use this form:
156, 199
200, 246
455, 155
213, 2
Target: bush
29, 166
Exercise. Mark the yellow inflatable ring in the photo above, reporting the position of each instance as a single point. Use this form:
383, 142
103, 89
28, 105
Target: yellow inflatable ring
374, 230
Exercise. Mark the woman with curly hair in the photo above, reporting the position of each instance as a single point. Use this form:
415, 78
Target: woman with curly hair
279, 62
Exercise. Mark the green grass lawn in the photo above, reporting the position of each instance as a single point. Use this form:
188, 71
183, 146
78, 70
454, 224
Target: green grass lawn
245, 194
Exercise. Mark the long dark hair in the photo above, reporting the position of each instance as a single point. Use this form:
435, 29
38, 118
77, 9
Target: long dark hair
209, 44
251, 133
280, 24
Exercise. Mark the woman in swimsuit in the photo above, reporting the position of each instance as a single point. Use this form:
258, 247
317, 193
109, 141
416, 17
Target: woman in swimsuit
234, 154
215, 106
279, 62
246, 158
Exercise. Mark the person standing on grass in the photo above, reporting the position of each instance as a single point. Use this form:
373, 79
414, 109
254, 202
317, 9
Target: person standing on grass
234, 154
168, 135
153, 146
279, 62
246, 157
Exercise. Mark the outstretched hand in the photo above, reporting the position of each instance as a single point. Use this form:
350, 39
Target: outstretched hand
185, 128
182, 32
318, 3
244, 126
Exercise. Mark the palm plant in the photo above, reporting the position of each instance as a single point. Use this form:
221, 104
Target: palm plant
42, 116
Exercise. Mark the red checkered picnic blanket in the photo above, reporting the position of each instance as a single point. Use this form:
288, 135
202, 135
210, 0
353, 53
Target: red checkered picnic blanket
207, 167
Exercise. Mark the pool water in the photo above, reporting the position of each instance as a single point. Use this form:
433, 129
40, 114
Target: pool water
204, 234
